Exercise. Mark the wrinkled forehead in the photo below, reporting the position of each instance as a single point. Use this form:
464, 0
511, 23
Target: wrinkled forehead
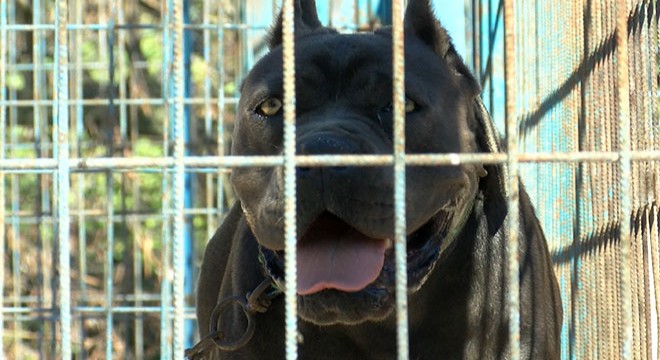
327, 53
324, 57
334, 53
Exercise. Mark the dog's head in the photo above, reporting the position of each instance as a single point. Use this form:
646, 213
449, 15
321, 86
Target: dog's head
344, 106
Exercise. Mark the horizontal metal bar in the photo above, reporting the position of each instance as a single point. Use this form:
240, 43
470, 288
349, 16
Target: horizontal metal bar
128, 215
189, 312
101, 310
100, 27
106, 27
115, 163
140, 170
91, 65
30, 218
116, 102
28, 301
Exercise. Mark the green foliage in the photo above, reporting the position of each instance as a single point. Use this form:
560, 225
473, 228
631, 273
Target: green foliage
151, 46
199, 70
15, 81
90, 54
130, 203
230, 88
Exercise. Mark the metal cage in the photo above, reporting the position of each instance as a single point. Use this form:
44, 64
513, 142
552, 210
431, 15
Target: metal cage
114, 119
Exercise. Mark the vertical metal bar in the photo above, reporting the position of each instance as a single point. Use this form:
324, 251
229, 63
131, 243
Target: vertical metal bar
290, 229
16, 255
476, 38
242, 65
331, 12
129, 113
399, 101
512, 180
220, 137
188, 194
110, 211
135, 225
178, 181
61, 122
102, 6
583, 207
129, 231
206, 43
3, 126
82, 236
76, 148
653, 39
80, 184
109, 183
248, 60
138, 238
15, 235
109, 259
39, 47
117, 15
623, 98
166, 282
40, 136
492, 32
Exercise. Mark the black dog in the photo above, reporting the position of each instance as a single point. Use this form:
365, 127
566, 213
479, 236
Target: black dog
455, 217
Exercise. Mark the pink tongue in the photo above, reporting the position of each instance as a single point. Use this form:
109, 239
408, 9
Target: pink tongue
332, 255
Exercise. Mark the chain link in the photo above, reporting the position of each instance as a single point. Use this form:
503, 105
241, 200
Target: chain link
256, 301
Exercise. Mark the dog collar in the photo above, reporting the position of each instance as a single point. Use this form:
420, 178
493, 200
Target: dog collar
255, 301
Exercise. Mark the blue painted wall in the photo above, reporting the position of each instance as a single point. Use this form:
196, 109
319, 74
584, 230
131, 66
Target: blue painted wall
341, 13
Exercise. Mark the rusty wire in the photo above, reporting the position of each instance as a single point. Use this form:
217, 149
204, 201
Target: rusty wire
399, 100
63, 181
513, 221
178, 260
600, 216
290, 229
623, 105
573, 130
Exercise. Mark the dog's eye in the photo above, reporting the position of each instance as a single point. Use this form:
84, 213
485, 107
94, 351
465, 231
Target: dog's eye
269, 107
410, 106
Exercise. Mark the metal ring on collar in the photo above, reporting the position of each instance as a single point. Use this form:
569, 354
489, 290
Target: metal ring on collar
214, 325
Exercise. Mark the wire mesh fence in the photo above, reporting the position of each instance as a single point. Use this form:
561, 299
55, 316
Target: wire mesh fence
121, 100
571, 98
133, 103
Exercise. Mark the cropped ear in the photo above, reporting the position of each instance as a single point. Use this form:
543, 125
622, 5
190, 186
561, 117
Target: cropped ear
306, 19
421, 22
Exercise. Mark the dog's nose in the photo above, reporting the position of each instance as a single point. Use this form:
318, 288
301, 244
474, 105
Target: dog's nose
326, 145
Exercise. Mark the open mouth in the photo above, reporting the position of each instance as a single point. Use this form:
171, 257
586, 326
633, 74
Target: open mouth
333, 256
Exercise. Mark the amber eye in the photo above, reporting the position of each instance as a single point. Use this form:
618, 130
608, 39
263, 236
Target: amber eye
269, 107
410, 105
